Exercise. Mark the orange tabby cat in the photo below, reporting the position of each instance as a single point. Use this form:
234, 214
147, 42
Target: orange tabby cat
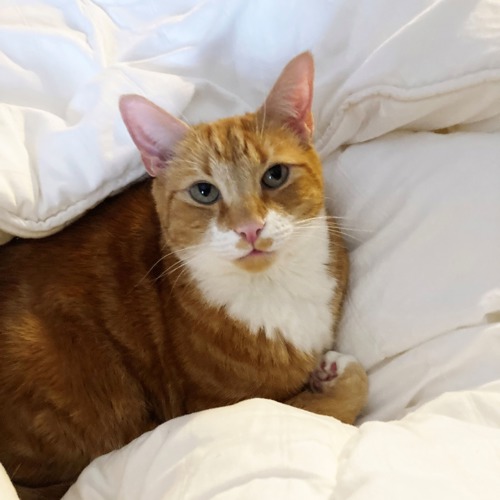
221, 280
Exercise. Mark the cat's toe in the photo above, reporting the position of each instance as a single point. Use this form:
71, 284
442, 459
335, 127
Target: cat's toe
331, 367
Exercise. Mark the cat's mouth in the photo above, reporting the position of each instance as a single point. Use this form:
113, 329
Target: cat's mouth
256, 260
256, 253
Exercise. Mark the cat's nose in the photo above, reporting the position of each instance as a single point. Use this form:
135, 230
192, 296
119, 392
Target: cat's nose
250, 231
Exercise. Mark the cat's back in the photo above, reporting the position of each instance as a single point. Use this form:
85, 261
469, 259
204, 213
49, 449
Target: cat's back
83, 275
64, 302
112, 232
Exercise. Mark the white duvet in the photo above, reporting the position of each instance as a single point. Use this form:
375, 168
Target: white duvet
420, 210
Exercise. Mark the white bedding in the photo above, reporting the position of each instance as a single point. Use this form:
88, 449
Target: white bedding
265, 450
421, 212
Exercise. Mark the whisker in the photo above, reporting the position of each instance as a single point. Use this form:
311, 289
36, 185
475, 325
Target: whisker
357, 229
161, 259
338, 230
16, 470
172, 269
347, 235
339, 226
320, 218
177, 265
153, 266
325, 217
350, 237
178, 278
186, 255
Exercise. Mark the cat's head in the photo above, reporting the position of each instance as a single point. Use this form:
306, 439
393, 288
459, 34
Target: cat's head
241, 189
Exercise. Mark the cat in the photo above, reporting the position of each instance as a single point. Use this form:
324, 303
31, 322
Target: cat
220, 279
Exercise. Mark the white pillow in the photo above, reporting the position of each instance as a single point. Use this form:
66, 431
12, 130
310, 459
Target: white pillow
422, 219
423, 64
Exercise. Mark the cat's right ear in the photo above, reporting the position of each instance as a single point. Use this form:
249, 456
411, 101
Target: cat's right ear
154, 131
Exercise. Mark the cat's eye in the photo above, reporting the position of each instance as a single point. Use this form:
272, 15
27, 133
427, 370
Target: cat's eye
204, 193
275, 176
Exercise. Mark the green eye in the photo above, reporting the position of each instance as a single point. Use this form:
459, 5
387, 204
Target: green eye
204, 193
275, 176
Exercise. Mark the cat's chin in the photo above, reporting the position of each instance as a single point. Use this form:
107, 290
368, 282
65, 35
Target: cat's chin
256, 261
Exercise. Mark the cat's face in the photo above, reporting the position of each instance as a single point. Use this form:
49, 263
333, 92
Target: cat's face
239, 191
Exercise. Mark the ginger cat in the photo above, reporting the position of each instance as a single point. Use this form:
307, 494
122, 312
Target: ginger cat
220, 280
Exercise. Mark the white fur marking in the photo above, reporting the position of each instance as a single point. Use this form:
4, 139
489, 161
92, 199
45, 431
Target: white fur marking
341, 360
292, 297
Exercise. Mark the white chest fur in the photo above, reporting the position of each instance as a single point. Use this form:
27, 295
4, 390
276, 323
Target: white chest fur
293, 298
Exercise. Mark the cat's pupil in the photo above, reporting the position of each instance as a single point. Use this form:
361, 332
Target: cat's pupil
276, 172
204, 189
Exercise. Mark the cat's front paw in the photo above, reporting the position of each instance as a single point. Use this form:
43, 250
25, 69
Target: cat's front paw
331, 367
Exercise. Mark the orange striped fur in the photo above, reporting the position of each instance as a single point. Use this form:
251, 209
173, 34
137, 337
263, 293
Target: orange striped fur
155, 305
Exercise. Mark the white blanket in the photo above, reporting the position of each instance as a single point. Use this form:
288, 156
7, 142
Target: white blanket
420, 210
64, 65
264, 450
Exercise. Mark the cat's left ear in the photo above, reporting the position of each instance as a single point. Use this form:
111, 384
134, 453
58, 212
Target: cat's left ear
154, 131
290, 100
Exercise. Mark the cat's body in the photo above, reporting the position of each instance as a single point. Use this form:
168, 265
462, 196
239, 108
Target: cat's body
159, 303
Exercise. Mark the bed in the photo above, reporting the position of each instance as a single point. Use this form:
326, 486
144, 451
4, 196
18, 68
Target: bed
407, 113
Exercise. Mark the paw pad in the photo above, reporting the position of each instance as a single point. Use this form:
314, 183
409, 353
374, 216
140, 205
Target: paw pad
330, 368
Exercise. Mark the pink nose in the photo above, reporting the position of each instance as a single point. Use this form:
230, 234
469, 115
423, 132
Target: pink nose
250, 231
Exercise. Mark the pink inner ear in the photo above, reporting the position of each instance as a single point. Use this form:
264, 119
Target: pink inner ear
154, 131
290, 100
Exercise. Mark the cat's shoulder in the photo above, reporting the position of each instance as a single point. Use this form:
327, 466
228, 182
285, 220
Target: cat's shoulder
120, 226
